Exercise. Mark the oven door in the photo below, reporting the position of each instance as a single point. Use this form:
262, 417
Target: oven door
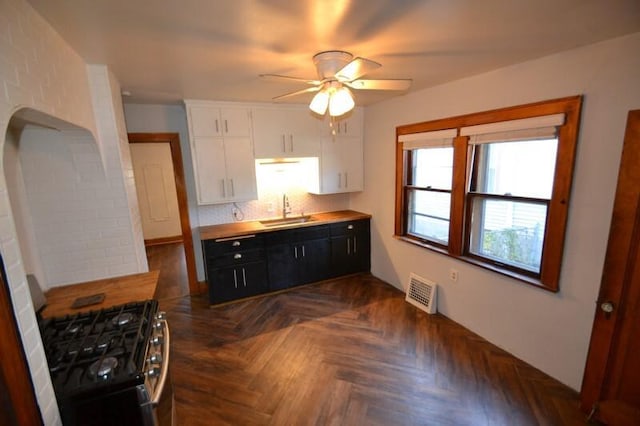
156, 395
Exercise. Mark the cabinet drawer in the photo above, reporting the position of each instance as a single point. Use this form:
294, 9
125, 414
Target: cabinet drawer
236, 258
222, 246
350, 227
297, 235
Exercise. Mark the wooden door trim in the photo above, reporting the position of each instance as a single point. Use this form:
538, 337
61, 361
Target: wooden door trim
181, 189
14, 370
624, 225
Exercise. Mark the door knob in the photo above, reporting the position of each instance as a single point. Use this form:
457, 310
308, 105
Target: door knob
607, 307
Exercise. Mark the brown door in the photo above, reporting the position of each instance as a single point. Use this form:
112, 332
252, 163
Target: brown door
611, 385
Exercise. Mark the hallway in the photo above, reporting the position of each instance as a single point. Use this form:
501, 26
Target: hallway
170, 261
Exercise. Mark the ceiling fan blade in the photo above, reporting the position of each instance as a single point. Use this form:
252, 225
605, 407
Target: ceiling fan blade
298, 92
397, 84
276, 77
356, 69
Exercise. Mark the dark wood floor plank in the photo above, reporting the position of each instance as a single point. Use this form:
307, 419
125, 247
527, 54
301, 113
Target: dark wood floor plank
348, 352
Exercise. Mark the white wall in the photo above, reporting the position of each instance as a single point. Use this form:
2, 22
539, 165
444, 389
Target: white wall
548, 330
41, 76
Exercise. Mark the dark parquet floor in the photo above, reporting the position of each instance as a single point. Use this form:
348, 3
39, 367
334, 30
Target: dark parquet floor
348, 352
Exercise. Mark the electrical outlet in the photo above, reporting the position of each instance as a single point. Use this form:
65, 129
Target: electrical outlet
453, 275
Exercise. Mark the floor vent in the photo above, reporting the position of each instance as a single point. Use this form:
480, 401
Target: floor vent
421, 293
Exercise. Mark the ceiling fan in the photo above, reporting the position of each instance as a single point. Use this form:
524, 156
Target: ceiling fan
339, 71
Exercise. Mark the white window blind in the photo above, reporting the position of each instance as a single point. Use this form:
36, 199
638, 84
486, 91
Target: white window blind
435, 139
542, 127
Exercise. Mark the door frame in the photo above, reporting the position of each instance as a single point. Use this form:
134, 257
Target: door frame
181, 190
15, 377
625, 223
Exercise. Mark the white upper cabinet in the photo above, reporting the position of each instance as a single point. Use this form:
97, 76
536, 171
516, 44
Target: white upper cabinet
222, 152
284, 132
209, 120
340, 167
348, 125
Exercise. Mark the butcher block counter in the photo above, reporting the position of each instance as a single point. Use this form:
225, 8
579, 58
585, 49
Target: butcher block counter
234, 229
117, 291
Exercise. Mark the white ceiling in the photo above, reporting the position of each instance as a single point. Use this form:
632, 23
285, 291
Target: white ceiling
163, 51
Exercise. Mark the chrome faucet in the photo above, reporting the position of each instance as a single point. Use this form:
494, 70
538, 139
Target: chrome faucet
286, 208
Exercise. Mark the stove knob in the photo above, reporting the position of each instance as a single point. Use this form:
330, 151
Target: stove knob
154, 372
161, 315
155, 359
157, 325
157, 341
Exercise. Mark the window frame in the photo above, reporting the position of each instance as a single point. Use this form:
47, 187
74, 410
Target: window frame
408, 188
558, 205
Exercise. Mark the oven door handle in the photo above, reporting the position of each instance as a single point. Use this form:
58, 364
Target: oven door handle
164, 371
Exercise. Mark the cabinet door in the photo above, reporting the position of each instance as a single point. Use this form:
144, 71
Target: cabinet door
282, 133
350, 247
224, 284
204, 121
304, 140
269, 133
341, 165
348, 125
252, 278
241, 170
315, 256
210, 170
235, 122
282, 266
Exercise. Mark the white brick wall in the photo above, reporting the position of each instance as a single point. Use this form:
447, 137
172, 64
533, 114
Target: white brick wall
40, 72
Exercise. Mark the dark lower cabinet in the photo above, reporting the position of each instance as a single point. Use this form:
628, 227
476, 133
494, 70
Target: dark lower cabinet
235, 267
248, 265
350, 247
297, 256
236, 282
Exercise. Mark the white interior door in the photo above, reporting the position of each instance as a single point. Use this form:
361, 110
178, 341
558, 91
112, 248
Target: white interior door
156, 189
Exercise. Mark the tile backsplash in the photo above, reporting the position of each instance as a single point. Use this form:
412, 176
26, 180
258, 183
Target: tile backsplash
274, 180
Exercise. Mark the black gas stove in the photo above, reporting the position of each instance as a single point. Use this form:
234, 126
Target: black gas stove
107, 366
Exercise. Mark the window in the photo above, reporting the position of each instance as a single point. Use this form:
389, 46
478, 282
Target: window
491, 188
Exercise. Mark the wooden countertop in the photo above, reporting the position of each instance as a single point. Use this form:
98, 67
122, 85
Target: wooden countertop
118, 290
225, 230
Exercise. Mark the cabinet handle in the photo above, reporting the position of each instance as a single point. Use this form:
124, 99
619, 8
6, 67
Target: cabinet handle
303, 255
233, 191
346, 179
355, 244
348, 245
284, 146
235, 279
237, 256
339, 180
345, 127
217, 128
244, 277
235, 244
295, 252
226, 127
291, 143
224, 189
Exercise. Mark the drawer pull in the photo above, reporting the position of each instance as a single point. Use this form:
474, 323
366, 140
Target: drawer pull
236, 244
237, 256
350, 227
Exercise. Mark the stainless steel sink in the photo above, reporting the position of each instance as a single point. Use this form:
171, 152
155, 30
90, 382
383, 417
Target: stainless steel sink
286, 221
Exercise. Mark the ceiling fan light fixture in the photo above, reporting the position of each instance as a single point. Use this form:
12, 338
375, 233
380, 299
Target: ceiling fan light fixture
320, 102
341, 102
